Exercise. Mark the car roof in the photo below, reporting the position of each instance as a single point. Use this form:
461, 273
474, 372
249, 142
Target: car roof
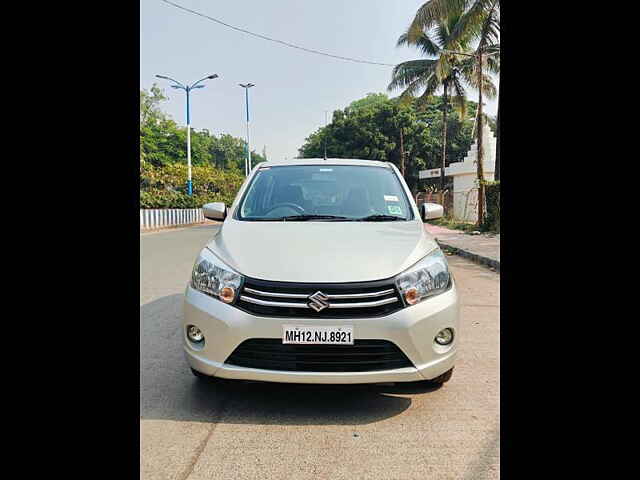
322, 161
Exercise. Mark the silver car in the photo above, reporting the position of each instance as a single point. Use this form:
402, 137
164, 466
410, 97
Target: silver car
322, 272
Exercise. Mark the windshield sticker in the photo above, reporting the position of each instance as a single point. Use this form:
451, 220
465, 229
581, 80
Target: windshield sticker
390, 198
394, 209
326, 169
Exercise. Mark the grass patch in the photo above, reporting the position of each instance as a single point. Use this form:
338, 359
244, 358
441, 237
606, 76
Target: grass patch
454, 224
448, 250
466, 227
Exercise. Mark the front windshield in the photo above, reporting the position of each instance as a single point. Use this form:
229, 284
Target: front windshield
325, 192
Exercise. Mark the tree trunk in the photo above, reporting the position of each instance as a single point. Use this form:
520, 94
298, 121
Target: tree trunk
401, 152
412, 183
444, 135
479, 159
497, 173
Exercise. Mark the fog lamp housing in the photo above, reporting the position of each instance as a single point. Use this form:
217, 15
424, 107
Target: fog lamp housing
444, 337
195, 334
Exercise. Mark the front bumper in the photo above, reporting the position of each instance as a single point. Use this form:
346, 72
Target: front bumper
412, 329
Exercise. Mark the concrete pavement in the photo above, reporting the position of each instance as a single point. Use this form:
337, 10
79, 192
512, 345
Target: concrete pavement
483, 249
191, 430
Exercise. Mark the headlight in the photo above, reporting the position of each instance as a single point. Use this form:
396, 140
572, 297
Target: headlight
427, 278
214, 278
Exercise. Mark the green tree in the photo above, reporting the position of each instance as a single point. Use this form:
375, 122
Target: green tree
371, 100
447, 71
475, 20
228, 152
480, 21
150, 105
369, 129
152, 122
163, 142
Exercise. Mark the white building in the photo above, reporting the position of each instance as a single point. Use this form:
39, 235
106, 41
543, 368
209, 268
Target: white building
465, 176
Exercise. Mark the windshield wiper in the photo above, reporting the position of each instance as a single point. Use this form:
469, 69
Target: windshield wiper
302, 218
379, 218
294, 217
310, 217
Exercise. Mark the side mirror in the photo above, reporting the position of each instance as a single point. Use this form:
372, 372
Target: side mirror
214, 211
429, 211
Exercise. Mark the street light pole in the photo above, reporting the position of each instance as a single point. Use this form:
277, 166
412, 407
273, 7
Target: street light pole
189, 182
187, 89
247, 165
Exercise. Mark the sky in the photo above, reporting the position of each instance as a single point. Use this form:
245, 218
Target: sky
293, 88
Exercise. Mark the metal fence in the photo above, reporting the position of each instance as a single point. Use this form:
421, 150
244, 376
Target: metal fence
151, 219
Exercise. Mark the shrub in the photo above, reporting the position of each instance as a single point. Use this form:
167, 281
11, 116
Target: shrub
492, 215
166, 187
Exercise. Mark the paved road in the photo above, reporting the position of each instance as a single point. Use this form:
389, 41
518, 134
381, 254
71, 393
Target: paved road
238, 430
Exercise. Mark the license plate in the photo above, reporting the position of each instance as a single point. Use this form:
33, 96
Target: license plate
312, 335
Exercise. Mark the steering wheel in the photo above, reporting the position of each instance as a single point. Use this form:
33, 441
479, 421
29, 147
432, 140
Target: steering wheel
292, 206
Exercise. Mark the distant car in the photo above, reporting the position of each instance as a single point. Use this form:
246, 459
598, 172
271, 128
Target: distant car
322, 272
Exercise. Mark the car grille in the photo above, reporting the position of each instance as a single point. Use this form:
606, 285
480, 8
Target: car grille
341, 300
363, 356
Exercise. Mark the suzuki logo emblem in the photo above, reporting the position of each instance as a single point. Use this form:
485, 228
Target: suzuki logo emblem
318, 301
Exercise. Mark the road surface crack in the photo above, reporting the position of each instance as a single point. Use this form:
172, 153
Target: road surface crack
202, 445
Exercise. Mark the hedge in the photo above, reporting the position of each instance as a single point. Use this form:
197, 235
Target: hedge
492, 215
166, 187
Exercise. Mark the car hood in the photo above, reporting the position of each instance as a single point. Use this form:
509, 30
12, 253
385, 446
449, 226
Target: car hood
321, 252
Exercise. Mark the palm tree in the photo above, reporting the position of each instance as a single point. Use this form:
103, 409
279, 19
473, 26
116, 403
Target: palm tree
447, 72
479, 21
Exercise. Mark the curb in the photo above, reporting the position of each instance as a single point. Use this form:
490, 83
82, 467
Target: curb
176, 227
474, 257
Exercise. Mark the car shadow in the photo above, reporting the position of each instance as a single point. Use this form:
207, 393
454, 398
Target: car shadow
169, 391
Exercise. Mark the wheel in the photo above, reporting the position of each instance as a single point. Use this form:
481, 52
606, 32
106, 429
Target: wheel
445, 377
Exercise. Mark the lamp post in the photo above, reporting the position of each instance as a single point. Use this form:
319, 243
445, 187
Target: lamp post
247, 166
188, 89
